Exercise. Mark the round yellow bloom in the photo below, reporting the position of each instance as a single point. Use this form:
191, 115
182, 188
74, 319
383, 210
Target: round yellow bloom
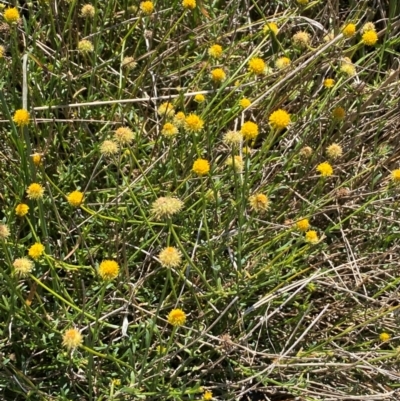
190, 4
36, 250
199, 98
4, 231
236, 162
396, 176
169, 130
348, 68
108, 269
338, 113
87, 11
329, 83
201, 167
232, 138
177, 317
282, 62
259, 202
334, 151
325, 169
245, 102
75, 198
21, 209
370, 38
11, 15
108, 148
349, 30
368, 26
384, 337
303, 225
312, 237
207, 396
166, 206
147, 7
279, 119
215, 51
85, 46
193, 123
23, 266
21, 117
306, 152
72, 338
249, 130
257, 66
271, 27
170, 257
128, 63
35, 191
179, 119
218, 75
37, 159
301, 39
166, 109
123, 135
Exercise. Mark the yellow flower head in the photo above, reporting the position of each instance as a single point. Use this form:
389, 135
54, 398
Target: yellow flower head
384, 337
338, 113
72, 338
189, 4
75, 198
123, 135
201, 167
306, 151
207, 396
303, 225
179, 119
166, 207
199, 98
87, 11
334, 151
35, 191
11, 15
249, 130
108, 269
23, 266
169, 130
215, 51
128, 63
21, 117
170, 257
147, 7
259, 202
193, 123
312, 237
368, 26
36, 250
271, 27
279, 119
4, 231
349, 30
282, 62
109, 148
85, 46
329, 83
218, 75
37, 159
301, 39
232, 138
236, 162
370, 38
177, 317
348, 68
396, 176
257, 66
166, 109
325, 169
21, 209
244, 102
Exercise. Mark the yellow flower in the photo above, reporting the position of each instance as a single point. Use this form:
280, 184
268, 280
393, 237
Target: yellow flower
72, 338
301, 39
282, 62
312, 237
193, 123
116, 382
334, 151
166, 206
179, 119
177, 317
85, 46
37, 159
348, 68
271, 27
236, 162
245, 102
123, 135
207, 396
11, 15
87, 11
384, 337
325, 169
166, 109
329, 83
170, 257
75, 198
249, 130
23, 266
128, 63
190, 4
108, 269
368, 26
215, 51
257, 66
303, 225
306, 151
169, 130
259, 202
108, 148
201, 167
199, 98
232, 138
279, 119
36, 250
147, 7
4, 231
35, 191
349, 30
338, 113
396, 176
21, 117
218, 75
21, 209
370, 38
